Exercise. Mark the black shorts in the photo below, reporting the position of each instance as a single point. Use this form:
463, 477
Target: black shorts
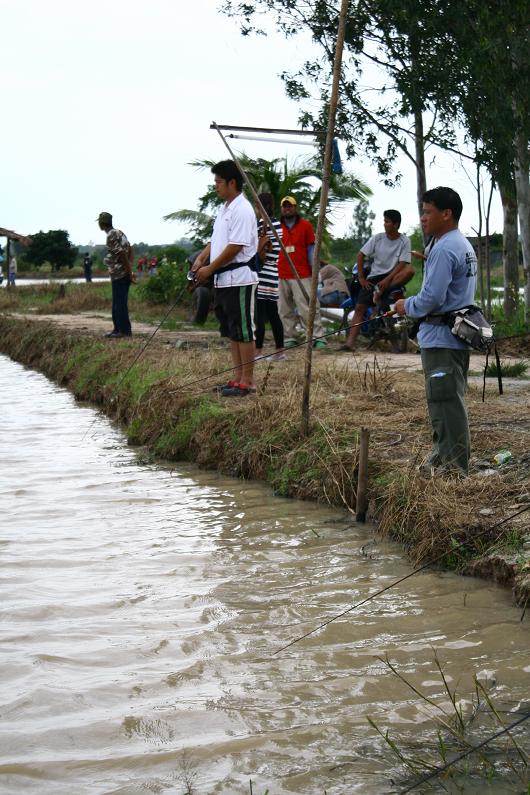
234, 308
366, 294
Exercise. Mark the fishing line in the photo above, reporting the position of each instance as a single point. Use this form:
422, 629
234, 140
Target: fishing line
267, 356
436, 772
397, 582
128, 370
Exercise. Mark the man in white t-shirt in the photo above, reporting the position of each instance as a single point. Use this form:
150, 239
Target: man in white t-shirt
390, 257
232, 260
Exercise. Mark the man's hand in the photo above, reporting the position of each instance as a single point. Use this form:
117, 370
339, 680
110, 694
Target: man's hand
203, 274
365, 284
199, 262
399, 306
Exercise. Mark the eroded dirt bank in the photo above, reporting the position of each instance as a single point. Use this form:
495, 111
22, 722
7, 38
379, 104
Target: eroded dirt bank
166, 404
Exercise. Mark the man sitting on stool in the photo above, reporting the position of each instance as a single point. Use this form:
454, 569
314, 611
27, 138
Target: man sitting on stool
389, 252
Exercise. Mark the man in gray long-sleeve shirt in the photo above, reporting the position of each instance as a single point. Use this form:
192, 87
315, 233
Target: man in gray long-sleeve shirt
449, 283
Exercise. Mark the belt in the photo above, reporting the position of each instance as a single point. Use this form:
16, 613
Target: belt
251, 263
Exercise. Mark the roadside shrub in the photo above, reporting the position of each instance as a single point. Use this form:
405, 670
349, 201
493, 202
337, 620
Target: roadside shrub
163, 288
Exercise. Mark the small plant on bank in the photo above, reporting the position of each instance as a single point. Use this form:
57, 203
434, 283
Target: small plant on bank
458, 731
508, 369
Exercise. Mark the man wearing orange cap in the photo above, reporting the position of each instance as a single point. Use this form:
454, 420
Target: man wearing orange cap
298, 238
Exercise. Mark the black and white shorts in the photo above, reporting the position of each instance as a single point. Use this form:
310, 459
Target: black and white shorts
234, 308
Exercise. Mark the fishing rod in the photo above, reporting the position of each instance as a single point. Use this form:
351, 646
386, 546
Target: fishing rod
436, 772
292, 347
128, 370
401, 579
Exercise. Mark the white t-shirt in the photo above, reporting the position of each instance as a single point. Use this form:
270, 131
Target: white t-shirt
236, 224
385, 253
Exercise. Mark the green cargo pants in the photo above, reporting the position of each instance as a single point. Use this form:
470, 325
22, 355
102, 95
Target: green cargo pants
445, 371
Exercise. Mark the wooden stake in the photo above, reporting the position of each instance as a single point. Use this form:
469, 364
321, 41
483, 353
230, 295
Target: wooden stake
362, 477
337, 66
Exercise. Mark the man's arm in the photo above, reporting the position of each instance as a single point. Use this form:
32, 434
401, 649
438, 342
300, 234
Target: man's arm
201, 259
434, 289
225, 258
363, 281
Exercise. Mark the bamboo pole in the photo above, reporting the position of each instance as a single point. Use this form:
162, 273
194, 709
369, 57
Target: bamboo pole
361, 505
337, 66
263, 211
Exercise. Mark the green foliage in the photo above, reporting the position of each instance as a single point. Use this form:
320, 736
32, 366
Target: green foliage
53, 247
344, 250
163, 288
178, 439
508, 327
508, 369
301, 178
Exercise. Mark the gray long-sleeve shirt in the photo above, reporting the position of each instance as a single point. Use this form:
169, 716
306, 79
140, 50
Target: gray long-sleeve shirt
449, 283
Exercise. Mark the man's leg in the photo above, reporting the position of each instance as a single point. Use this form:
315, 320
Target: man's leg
122, 311
114, 305
358, 316
235, 353
276, 323
302, 305
246, 356
261, 312
445, 372
286, 307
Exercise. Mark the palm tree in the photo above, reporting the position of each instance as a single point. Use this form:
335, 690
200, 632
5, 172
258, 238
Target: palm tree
300, 179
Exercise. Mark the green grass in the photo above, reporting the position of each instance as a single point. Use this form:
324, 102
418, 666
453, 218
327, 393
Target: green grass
508, 369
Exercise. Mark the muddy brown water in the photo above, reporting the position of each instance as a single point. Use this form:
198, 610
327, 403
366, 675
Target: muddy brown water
141, 607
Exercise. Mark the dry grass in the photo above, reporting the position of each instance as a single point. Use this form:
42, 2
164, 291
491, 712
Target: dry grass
167, 403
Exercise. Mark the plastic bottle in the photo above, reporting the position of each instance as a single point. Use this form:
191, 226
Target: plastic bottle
502, 457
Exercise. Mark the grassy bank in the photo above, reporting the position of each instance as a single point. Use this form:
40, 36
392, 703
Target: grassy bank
166, 404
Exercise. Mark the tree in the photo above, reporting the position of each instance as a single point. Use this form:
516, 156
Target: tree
300, 178
53, 247
439, 60
361, 228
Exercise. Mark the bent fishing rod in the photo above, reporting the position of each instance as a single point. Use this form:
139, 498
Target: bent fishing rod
390, 313
436, 772
397, 582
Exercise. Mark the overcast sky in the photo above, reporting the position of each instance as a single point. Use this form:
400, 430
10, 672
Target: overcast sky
105, 104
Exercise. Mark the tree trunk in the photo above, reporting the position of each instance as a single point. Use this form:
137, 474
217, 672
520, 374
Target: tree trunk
510, 247
522, 184
421, 177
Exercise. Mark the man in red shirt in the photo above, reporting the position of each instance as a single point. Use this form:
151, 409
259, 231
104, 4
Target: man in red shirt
298, 238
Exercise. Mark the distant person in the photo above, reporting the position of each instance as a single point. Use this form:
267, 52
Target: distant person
298, 237
119, 262
334, 289
449, 283
87, 267
230, 257
141, 267
153, 264
12, 271
389, 255
267, 292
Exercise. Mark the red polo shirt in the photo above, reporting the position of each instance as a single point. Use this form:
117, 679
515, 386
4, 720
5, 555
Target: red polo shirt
296, 240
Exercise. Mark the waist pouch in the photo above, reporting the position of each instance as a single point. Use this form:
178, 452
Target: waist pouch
251, 263
470, 326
